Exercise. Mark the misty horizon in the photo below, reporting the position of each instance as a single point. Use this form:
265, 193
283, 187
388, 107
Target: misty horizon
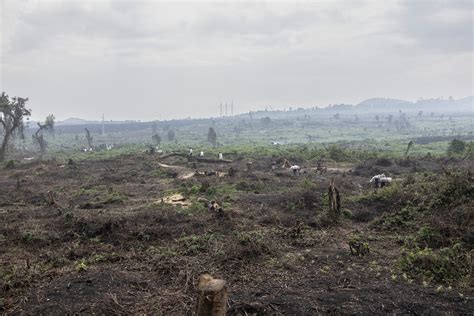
160, 60
236, 113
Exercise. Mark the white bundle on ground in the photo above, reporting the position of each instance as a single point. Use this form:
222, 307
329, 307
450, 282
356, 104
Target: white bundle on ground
381, 178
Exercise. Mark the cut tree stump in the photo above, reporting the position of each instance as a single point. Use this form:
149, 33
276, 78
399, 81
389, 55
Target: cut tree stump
249, 166
212, 296
334, 200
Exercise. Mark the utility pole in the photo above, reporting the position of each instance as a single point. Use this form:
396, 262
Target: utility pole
226, 109
221, 108
232, 108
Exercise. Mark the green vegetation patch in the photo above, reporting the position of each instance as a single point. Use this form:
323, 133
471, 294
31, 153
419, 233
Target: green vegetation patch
98, 196
451, 265
194, 244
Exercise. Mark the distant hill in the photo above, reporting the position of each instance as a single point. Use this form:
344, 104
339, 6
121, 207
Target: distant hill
447, 105
385, 104
467, 101
428, 105
376, 105
74, 121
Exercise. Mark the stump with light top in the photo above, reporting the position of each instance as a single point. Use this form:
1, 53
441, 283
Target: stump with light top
212, 296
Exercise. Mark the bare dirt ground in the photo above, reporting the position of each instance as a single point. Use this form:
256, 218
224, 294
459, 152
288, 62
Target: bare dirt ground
100, 237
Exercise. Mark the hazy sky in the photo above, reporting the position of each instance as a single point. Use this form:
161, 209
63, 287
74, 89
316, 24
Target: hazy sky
156, 60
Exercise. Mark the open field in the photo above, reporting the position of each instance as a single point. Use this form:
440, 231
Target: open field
128, 229
387, 133
101, 235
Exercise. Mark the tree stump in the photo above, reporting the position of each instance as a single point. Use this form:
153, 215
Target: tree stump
51, 201
286, 164
212, 296
334, 200
204, 186
249, 166
359, 248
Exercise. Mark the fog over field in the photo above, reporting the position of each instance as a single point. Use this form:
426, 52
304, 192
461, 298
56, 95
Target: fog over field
147, 60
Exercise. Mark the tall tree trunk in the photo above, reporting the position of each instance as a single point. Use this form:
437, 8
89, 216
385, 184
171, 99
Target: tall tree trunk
3, 149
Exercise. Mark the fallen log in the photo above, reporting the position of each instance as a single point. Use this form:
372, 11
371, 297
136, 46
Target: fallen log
198, 159
210, 160
173, 155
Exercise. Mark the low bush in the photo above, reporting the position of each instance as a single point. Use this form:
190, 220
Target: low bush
452, 265
194, 244
429, 237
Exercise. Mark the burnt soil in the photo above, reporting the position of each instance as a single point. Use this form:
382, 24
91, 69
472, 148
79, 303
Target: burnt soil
95, 237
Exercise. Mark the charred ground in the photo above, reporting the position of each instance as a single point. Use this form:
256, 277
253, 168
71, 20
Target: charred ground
97, 236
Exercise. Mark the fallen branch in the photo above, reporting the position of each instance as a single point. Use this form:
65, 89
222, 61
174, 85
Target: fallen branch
209, 160
173, 155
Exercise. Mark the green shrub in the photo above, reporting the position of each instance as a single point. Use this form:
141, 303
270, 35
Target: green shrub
429, 237
347, 213
448, 265
195, 189
456, 147
194, 244
112, 197
30, 237
252, 244
386, 195
195, 207
393, 221
337, 153
81, 265
10, 164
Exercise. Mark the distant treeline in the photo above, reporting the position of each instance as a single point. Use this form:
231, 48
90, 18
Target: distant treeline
125, 126
433, 139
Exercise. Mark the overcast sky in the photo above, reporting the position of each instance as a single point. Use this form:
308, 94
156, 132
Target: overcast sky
156, 60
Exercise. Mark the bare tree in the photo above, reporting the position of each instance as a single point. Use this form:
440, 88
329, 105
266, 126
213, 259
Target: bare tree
88, 137
334, 200
408, 147
12, 112
212, 136
38, 137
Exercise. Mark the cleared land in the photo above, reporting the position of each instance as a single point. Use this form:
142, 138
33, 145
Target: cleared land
101, 236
